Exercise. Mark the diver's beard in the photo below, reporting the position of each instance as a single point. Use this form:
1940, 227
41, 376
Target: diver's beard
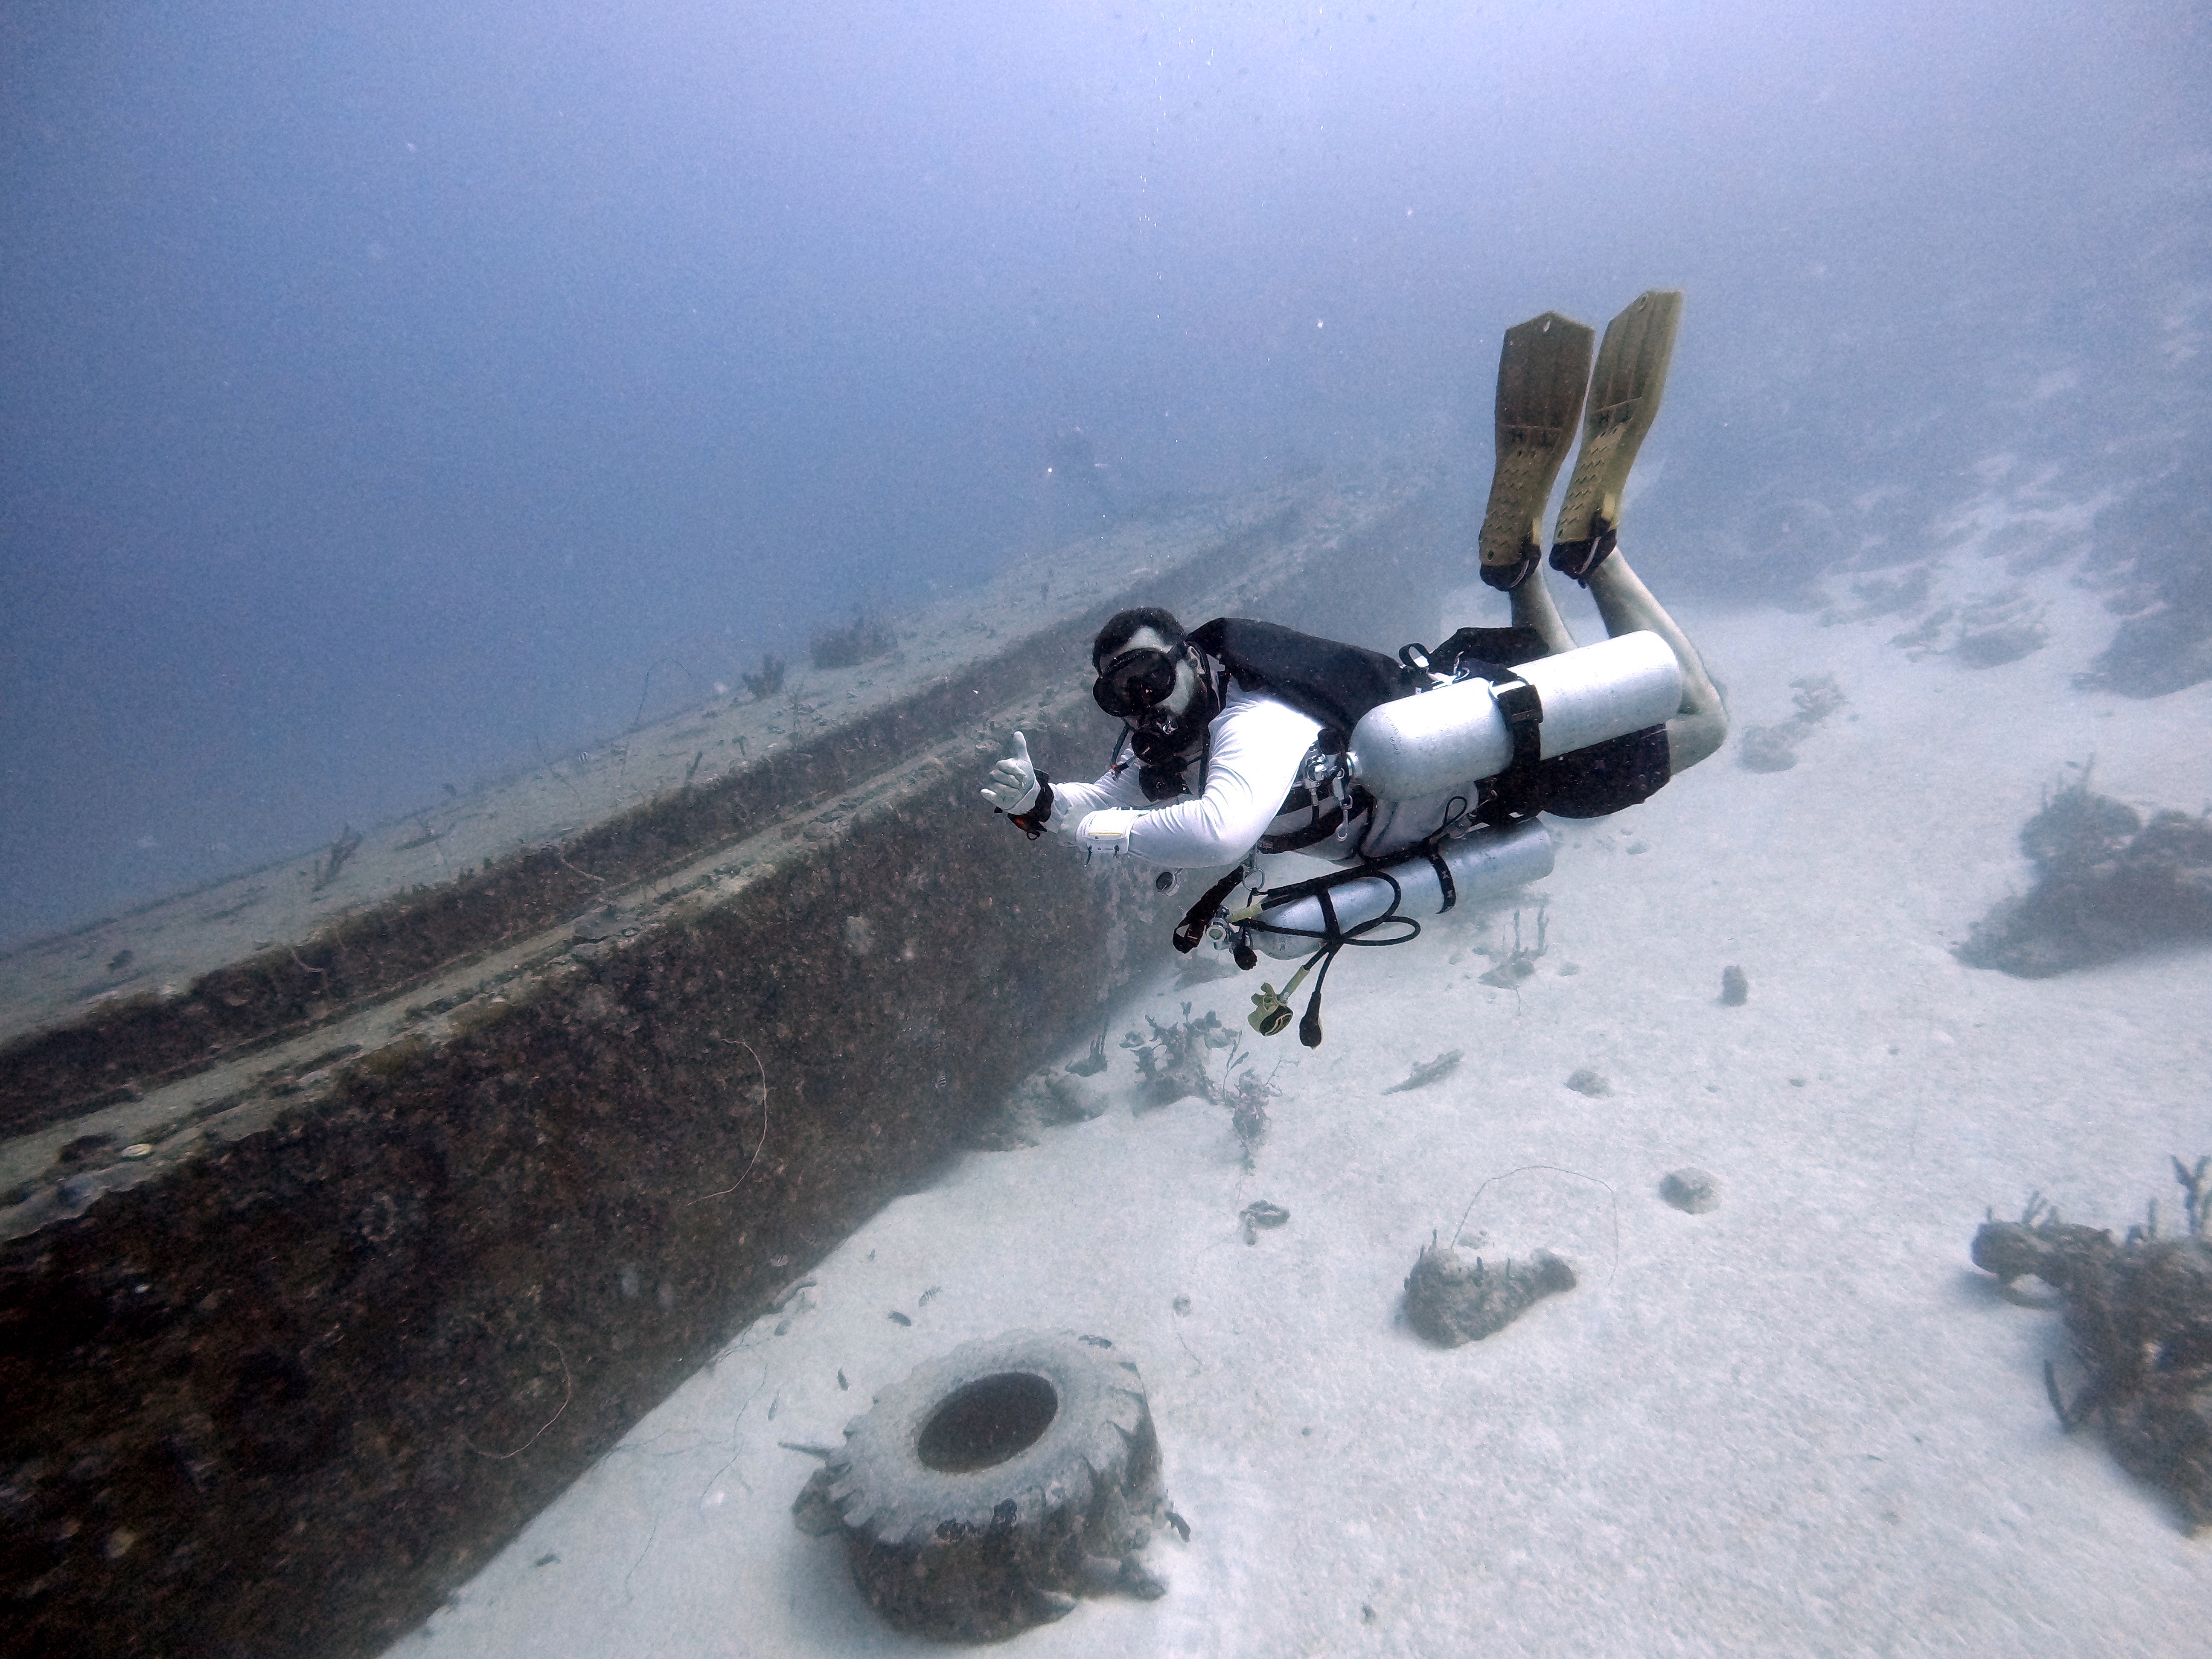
1168, 737
1165, 746
1166, 740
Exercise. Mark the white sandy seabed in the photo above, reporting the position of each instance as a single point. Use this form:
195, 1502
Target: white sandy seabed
1801, 1423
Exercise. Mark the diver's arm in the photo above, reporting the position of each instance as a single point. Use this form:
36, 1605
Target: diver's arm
1257, 745
1036, 804
1118, 786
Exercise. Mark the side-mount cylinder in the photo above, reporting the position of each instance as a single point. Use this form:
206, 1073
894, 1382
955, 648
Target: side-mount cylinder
1482, 864
1424, 746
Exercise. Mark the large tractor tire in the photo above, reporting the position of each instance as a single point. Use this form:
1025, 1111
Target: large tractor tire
986, 1491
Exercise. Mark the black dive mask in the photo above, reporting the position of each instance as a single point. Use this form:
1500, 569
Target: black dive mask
1136, 682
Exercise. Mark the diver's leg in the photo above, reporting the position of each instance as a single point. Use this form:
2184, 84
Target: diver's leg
1533, 608
1700, 726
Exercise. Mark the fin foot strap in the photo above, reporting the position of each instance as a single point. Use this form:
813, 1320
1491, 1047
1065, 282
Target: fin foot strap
1543, 378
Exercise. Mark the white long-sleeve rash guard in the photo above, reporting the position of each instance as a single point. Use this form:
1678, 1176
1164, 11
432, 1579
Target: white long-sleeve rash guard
1257, 745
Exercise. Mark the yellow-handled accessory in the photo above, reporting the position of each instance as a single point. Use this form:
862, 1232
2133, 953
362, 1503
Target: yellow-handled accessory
1271, 1009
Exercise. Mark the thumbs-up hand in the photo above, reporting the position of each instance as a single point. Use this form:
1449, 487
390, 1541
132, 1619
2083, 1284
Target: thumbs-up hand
1013, 785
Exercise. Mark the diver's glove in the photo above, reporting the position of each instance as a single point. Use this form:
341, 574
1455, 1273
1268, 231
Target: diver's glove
1013, 785
1020, 791
1106, 831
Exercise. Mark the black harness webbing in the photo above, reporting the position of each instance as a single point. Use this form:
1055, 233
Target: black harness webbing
1296, 841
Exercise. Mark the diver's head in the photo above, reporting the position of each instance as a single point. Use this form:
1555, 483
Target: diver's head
1155, 681
1147, 669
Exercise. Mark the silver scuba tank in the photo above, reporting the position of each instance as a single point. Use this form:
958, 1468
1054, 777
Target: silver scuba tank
1427, 744
1484, 863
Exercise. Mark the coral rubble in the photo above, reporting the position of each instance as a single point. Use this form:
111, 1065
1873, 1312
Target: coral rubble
2107, 884
2139, 1319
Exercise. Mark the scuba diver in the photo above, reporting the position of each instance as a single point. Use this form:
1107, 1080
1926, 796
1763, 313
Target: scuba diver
1425, 774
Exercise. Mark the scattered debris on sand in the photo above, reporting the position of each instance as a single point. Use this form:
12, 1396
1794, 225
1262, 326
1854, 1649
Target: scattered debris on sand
2139, 1319
1520, 962
1774, 748
1690, 1190
1260, 1213
1452, 1299
1428, 1072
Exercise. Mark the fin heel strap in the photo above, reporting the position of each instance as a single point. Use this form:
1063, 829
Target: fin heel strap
1578, 559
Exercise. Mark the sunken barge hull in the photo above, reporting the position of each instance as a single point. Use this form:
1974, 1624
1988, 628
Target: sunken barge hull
326, 1268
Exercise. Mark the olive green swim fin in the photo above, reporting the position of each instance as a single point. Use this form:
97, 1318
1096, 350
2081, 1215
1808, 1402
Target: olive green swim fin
1541, 375
1624, 401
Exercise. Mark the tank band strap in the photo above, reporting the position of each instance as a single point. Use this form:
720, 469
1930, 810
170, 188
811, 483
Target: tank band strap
1330, 929
1517, 793
1443, 876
